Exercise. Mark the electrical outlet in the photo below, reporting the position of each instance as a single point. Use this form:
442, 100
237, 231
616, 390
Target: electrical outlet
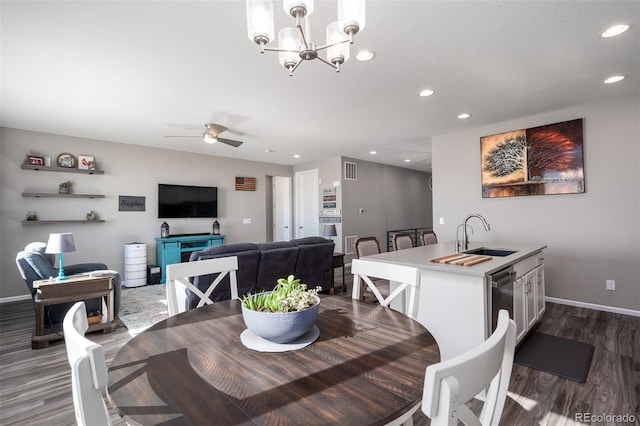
611, 285
442, 221
246, 221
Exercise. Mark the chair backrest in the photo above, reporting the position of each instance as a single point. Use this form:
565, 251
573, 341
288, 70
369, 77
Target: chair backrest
178, 275
366, 246
406, 277
448, 385
88, 369
429, 238
402, 241
34, 264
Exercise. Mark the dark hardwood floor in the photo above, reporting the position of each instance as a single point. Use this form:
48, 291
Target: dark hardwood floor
35, 387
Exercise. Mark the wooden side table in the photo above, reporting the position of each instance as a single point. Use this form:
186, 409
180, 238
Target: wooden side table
76, 288
337, 262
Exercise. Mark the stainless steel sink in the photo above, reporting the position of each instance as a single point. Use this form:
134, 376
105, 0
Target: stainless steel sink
491, 252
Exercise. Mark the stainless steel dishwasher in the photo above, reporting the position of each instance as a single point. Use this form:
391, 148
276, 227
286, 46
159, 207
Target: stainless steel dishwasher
501, 293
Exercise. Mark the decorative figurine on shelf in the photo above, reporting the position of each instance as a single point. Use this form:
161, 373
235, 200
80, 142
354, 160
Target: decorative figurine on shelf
216, 228
32, 216
92, 215
64, 187
164, 230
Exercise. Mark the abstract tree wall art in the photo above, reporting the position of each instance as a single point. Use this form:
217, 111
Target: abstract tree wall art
537, 161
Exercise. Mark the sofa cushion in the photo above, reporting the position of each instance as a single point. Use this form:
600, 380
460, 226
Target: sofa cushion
248, 260
277, 260
313, 266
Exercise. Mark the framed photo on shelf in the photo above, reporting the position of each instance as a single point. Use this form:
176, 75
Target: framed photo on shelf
86, 162
35, 160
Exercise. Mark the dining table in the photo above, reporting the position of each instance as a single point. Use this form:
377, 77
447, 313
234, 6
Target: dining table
366, 367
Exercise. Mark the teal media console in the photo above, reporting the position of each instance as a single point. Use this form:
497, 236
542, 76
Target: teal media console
178, 249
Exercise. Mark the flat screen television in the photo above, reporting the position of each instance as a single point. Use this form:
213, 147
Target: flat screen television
175, 201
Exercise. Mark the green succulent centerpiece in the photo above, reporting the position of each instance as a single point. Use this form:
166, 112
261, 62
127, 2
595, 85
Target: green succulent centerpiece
289, 295
282, 315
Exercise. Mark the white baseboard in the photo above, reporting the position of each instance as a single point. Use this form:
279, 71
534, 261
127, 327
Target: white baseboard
14, 298
612, 309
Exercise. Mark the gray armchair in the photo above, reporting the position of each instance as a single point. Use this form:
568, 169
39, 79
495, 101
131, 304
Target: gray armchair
34, 264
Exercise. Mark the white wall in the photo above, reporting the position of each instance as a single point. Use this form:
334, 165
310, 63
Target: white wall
591, 237
129, 170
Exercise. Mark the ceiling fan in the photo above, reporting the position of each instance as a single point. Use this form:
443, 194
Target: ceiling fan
210, 135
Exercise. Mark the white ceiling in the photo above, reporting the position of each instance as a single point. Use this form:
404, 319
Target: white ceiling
135, 71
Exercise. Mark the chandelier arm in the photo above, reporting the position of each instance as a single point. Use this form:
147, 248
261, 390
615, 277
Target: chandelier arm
275, 49
326, 46
328, 63
304, 38
291, 70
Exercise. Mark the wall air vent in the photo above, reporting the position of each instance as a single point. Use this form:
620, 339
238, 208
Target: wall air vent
350, 171
350, 244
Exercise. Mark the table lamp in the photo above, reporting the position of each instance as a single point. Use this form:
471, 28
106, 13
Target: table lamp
61, 243
329, 231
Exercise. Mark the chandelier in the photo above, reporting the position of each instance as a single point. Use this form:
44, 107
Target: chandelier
294, 45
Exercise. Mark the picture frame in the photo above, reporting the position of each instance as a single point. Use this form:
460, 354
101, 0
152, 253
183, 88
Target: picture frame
541, 160
86, 162
35, 160
66, 160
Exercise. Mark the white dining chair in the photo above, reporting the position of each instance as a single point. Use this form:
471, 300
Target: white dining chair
407, 280
406, 277
450, 384
178, 275
88, 369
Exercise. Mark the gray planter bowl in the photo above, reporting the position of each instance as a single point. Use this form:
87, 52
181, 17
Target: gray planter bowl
281, 327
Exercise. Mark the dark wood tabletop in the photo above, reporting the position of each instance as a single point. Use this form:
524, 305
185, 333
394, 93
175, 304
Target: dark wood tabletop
366, 368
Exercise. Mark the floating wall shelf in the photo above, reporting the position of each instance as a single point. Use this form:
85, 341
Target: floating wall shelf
57, 222
60, 169
55, 195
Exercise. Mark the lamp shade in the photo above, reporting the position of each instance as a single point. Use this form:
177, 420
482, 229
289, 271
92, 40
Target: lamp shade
60, 243
338, 53
260, 21
329, 230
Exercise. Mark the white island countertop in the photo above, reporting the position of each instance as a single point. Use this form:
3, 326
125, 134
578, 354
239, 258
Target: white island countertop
419, 257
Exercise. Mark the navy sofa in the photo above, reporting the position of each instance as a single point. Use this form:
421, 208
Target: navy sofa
260, 265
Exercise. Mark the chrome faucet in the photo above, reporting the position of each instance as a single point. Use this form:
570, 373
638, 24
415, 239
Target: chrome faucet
462, 244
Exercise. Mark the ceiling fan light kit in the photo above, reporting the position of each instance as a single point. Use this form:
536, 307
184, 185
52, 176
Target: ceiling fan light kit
294, 46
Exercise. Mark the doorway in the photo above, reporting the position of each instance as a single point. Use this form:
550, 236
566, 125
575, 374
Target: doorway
281, 208
306, 218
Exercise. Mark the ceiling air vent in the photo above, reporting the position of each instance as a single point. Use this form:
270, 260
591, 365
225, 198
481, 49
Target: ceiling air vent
350, 171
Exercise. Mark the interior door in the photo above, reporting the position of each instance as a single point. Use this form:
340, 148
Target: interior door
307, 199
281, 208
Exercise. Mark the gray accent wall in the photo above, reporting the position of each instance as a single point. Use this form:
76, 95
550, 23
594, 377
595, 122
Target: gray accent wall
390, 198
591, 237
128, 170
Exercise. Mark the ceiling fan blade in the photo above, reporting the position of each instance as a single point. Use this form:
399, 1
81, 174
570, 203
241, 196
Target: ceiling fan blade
231, 142
214, 129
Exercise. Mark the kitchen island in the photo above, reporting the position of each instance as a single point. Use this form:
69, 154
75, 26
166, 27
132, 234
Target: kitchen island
455, 301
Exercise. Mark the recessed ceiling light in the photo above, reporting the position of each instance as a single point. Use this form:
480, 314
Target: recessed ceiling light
407, 160
364, 55
427, 92
373, 152
464, 115
296, 155
614, 30
614, 79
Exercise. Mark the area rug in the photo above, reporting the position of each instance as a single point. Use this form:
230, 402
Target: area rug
142, 307
561, 357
